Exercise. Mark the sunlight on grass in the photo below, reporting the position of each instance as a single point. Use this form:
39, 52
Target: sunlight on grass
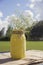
30, 45
35, 45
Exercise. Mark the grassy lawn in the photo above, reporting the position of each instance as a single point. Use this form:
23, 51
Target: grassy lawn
35, 45
4, 46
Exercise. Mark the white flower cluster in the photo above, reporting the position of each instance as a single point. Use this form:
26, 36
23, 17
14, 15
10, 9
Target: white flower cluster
21, 21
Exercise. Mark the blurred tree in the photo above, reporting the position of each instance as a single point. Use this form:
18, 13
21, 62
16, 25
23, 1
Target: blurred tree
37, 31
9, 31
2, 32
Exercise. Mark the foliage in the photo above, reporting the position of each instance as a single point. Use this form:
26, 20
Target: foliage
9, 31
37, 31
2, 33
5, 39
8, 34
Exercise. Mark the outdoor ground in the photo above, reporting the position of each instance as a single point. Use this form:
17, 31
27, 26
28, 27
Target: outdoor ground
34, 45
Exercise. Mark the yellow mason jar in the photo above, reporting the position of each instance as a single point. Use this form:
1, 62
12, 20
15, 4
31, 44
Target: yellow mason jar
18, 45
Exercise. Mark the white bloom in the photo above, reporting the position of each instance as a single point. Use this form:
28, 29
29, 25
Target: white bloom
21, 22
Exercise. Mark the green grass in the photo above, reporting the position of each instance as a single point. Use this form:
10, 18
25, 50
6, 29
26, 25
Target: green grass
34, 45
4, 46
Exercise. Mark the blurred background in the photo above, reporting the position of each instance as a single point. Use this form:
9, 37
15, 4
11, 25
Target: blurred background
34, 33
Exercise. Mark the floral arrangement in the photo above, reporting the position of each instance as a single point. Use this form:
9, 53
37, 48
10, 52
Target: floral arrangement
20, 22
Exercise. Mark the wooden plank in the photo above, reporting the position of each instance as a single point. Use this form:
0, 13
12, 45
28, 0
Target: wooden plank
32, 57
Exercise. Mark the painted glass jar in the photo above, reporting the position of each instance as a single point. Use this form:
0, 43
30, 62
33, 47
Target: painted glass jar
18, 45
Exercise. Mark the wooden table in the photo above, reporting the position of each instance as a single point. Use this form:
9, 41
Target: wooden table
32, 57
